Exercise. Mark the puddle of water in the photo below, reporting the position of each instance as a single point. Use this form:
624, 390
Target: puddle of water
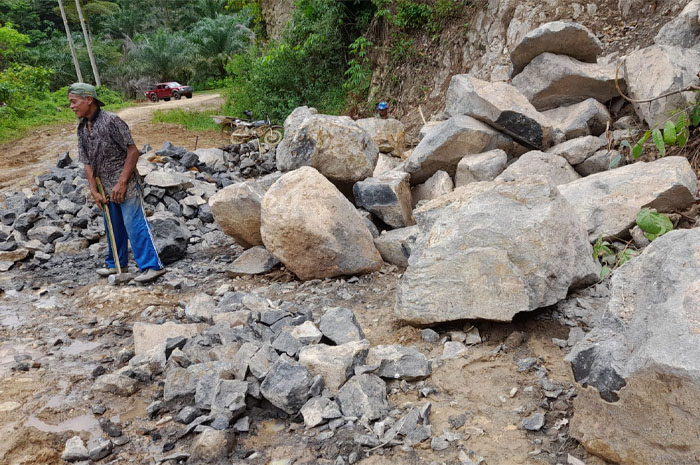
78, 347
86, 423
138, 410
8, 352
10, 317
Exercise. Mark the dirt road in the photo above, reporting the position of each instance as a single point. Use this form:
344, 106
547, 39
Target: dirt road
23, 159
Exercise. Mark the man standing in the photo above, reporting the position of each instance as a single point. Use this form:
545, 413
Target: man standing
109, 153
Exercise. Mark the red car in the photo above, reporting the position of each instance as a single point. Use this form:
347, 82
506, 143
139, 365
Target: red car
168, 90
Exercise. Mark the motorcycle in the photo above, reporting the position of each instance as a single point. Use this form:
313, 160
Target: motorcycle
245, 130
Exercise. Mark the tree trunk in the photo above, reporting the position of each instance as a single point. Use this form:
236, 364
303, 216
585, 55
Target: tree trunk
87, 44
70, 42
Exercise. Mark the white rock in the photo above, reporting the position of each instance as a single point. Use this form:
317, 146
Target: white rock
480, 167
437, 185
550, 166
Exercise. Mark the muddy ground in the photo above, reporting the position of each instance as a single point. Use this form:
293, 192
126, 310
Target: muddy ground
71, 322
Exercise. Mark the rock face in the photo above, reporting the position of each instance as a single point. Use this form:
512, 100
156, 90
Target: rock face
589, 117
608, 202
236, 210
501, 106
551, 81
553, 167
521, 238
641, 405
387, 196
389, 134
334, 145
684, 31
481, 167
447, 143
558, 37
656, 70
314, 230
437, 185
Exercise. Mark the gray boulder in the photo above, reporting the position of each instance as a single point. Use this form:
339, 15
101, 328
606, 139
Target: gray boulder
388, 197
399, 362
639, 368
168, 178
170, 236
589, 117
521, 237
577, 150
608, 202
551, 81
657, 70
363, 396
501, 106
395, 246
552, 167
334, 363
201, 309
75, 450
563, 38
45, 234
480, 167
684, 31
256, 260
314, 230
287, 385
212, 157
438, 184
450, 141
340, 326
236, 210
147, 335
319, 410
334, 145
599, 162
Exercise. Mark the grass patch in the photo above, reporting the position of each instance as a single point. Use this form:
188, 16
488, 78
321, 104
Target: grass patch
194, 120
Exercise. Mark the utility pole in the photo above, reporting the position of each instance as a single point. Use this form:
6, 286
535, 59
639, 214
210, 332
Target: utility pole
87, 44
70, 42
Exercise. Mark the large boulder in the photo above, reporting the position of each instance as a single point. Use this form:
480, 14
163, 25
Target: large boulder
521, 238
212, 157
480, 167
501, 106
447, 143
389, 134
552, 167
656, 70
551, 81
641, 362
563, 38
334, 145
170, 236
684, 31
236, 210
608, 202
168, 178
589, 117
437, 185
577, 150
314, 230
388, 196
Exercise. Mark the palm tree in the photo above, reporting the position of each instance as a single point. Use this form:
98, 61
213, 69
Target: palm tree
163, 55
219, 39
70, 42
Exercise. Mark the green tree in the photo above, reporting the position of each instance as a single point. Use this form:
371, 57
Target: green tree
12, 44
163, 55
218, 40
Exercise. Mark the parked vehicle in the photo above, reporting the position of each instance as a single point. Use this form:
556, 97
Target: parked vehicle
168, 90
245, 130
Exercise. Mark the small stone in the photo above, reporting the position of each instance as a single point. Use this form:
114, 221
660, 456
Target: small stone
439, 443
75, 450
453, 350
457, 421
534, 422
429, 335
187, 415
110, 428
340, 326
101, 450
98, 409
526, 363
242, 425
153, 408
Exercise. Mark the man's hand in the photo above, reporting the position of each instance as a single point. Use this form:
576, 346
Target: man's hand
98, 198
119, 192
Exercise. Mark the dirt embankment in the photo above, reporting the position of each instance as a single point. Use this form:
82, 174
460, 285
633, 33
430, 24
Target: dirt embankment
22, 159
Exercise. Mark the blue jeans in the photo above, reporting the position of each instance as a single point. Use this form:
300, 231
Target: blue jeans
129, 222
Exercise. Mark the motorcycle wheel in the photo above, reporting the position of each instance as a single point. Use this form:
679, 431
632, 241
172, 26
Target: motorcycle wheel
272, 137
